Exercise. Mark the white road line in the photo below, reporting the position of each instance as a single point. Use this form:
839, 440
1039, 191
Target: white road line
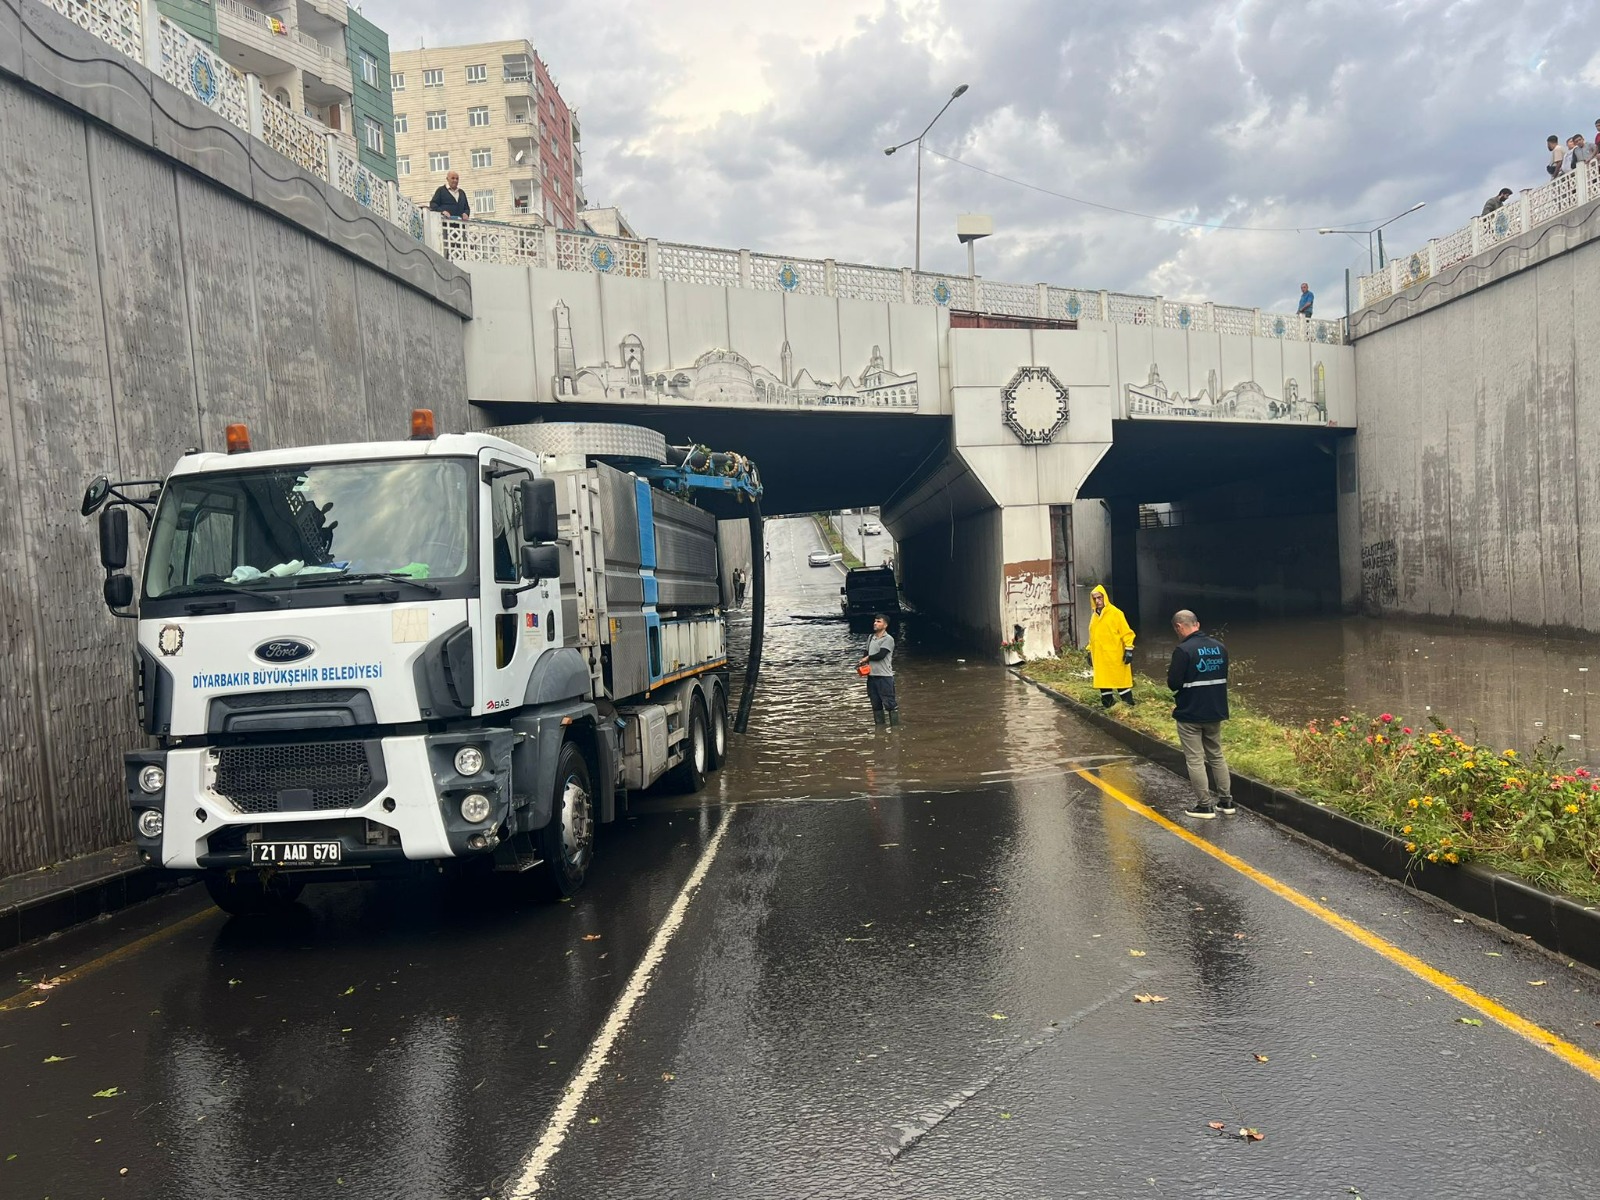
555, 1133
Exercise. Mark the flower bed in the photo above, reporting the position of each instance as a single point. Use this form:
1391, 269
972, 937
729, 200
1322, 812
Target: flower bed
1451, 800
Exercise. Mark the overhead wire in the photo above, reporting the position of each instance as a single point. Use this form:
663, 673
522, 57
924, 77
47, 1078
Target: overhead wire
1128, 212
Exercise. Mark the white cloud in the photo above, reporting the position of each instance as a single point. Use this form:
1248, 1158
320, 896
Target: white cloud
762, 125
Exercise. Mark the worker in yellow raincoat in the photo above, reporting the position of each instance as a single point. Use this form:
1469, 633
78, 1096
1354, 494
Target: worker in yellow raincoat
1110, 649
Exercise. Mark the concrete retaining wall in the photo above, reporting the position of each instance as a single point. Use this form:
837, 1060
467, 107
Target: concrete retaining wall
1479, 441
144, 305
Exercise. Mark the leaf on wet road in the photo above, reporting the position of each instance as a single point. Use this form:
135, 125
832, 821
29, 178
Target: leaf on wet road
1261, 1058
1535, 983
107, 1093
1217, 1124
235, 982
1492, 953
1136, 953
1469, 1020
45, 985
1005, 1116
1252, 1135
591, 937
997, 1016
349, 991
887, 845
594, 1120
667, 1076
1147, 998
59, 1058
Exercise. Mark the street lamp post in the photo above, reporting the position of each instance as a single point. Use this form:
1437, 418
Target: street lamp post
1377, 229
917, 141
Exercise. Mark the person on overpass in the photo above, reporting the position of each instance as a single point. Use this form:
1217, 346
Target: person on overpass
879, 661
1307, 299
1110, 649
1198, 677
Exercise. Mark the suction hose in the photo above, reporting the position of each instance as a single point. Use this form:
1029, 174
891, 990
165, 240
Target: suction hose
758, 615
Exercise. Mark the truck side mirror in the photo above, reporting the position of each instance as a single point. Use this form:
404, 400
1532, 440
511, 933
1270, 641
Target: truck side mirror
541, 562
114, 538
539, 510
118, 591
95, 494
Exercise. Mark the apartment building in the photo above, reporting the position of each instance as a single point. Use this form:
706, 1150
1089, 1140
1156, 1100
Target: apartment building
319, 58
491, 113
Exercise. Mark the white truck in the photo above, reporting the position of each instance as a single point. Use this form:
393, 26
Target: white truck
463, 650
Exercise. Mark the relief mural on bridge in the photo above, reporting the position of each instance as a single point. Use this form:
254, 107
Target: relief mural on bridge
1246, 401
721, 376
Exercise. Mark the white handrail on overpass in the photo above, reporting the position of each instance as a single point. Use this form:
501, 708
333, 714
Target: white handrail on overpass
137, 30
531, 245
1516, 216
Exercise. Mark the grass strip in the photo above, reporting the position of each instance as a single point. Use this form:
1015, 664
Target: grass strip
1529, 813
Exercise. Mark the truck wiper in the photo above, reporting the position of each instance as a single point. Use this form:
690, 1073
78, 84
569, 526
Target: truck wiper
204, 589
327, 578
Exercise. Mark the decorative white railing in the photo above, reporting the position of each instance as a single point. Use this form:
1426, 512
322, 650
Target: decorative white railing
495, 242
1517, 216
134, 28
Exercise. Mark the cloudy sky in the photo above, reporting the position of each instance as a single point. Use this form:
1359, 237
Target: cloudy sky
761, 125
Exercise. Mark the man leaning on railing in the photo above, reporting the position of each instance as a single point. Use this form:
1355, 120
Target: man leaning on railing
450, 199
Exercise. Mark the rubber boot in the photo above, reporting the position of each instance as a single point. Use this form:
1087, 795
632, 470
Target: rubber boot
894, 717
1107, 699
878, 717
1127, 697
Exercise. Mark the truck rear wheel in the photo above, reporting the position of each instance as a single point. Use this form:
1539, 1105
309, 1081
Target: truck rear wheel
250, 893
719, 729
689, 776
566, 843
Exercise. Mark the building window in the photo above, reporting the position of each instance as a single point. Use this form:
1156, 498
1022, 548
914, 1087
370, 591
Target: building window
555, 185
477, 117
369, 68
478, 74
372, 133
434, 78
543, 132
402, 164
438, 119
438, 160
483, 202
401, 123
483, 158
397, 81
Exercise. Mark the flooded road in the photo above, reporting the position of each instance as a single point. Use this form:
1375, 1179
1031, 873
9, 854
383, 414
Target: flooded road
863, 963
1513, 688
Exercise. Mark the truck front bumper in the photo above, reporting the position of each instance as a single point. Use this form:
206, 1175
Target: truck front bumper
394, 799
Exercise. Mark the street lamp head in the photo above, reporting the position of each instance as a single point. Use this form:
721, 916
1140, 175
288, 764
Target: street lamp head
1419, 204
1330, 231
959, 91
890, 149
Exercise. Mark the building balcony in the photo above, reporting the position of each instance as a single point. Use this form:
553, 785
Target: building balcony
334, 10
262, 44
577, 131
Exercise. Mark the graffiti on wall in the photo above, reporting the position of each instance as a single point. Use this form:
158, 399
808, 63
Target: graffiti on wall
1030, 604
722, 376
1245, 401
1378, 561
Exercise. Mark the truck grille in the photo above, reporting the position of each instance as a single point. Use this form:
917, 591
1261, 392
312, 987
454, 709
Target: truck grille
255, 778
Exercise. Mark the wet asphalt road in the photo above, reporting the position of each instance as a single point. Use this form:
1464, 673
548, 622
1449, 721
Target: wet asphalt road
910, 971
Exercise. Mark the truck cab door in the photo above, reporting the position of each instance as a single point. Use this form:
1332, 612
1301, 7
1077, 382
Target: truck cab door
515, 633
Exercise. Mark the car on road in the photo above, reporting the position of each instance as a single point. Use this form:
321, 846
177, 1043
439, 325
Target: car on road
872, 529
821, 558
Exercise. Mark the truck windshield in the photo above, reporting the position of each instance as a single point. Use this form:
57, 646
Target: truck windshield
283, 526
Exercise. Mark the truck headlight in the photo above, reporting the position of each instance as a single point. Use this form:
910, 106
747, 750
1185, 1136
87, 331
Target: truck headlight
475, 807
469, 760
150, 819
151, 780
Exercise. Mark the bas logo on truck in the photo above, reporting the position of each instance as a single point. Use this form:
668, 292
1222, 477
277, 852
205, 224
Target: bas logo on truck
282, 650
288, 676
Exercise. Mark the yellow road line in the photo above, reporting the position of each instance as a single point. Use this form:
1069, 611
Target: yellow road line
1572, 1055
22, 999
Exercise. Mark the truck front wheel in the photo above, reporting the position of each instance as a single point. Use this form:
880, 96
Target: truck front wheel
566, 843
249, 893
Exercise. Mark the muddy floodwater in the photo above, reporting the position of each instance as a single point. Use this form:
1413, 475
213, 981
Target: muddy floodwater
1513, 688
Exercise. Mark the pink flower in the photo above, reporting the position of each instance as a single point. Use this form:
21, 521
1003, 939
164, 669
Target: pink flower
1466, 814
1405, 729
1582, 772
1386, 717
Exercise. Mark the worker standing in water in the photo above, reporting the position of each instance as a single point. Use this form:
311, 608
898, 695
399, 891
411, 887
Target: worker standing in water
1110, 649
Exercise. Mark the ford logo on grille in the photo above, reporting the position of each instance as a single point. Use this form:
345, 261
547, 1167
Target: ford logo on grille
283, 650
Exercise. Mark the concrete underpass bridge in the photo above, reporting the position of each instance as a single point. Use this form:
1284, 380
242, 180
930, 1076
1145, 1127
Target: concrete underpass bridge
1172, 453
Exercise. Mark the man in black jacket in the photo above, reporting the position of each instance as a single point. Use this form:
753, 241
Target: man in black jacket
1198, 678
450, 199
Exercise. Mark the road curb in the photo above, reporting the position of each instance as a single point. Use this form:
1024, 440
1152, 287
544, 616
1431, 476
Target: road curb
1556, 922
50, 905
